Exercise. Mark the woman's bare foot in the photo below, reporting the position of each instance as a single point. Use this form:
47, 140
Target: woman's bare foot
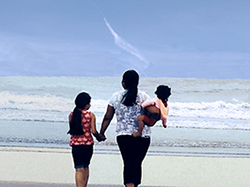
137, 134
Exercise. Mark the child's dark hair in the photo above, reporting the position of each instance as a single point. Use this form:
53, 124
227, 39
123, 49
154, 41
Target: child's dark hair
130, 80
82, 99
163, 92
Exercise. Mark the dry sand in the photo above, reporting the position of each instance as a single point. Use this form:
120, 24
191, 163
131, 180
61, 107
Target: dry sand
39, 165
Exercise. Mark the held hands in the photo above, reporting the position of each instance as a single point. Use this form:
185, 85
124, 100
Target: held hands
102, 137
99, 137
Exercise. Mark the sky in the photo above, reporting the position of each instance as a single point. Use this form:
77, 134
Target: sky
158, 38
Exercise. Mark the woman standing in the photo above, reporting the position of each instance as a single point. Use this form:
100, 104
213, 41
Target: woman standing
126, 104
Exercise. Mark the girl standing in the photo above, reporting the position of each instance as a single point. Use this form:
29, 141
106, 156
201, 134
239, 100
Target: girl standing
82, 124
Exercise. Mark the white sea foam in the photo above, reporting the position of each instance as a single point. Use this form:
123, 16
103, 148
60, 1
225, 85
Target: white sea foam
34, 110
34, 102
30, 107
217, 109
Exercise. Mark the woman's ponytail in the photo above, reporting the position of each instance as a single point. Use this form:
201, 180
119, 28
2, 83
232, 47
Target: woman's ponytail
130, 82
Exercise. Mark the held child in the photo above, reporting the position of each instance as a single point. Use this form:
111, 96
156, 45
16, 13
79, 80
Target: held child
82, 124
154, 109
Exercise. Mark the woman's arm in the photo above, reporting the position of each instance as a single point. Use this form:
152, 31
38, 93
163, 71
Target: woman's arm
107, 119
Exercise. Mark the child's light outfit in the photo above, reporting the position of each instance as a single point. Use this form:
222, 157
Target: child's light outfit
159, 104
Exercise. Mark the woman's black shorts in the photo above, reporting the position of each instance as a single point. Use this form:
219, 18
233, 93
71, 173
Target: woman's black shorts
82, 155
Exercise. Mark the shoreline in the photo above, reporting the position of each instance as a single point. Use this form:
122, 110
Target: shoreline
55, 166
153, 151
165, 142
32, 184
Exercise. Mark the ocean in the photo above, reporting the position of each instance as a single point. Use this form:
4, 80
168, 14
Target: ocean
208, 117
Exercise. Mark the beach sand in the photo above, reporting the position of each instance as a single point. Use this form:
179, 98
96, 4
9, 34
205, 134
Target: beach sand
54, 167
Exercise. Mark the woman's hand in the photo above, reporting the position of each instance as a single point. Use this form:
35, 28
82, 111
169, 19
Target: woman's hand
102, 138
99, 137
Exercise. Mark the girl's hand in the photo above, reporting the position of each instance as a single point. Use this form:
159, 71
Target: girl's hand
99, 137
102, 137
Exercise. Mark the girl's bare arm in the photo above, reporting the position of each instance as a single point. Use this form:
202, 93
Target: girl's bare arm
93, 123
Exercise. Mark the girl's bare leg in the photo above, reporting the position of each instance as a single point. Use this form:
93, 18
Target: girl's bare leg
82, 176
130, 185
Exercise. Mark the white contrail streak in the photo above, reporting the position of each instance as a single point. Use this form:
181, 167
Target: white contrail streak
124, 45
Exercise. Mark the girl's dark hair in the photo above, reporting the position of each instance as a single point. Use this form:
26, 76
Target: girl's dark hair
163, 92
82, 99
130, 82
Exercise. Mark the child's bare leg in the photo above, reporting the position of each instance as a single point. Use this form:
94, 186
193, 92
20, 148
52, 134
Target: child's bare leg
140, 126
130, 185
82, 176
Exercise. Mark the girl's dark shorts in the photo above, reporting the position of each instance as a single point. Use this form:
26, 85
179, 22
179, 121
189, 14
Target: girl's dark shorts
82, 155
